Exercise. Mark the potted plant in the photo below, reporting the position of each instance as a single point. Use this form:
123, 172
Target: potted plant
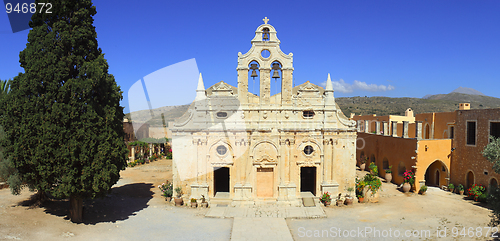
204, 203
360, 186
326, 199
423, 189
409, 179
388, 174
167, 190
339, 200
178, 199
363, 163
460, 189
194, 203
361, 198
451, 187
477, 192
348, 198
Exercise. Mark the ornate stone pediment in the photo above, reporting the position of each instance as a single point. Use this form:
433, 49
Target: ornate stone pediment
265, 160
308, 89
222, 89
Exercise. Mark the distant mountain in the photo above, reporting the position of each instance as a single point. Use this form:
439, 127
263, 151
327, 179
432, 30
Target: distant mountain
362, 106
465, 90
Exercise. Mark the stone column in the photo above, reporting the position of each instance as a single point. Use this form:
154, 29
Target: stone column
405, 129
366, 126
358, 125
418, 130
243, 85
394, 128
287, 85
377, 127
265, 85
150, 150
385, 126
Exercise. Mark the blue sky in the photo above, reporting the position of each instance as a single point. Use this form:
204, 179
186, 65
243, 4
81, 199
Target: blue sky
398, 48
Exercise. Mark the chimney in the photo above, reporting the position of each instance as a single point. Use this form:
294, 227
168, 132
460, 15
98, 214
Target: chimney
394, 128
405, 129
464, 106
385, 127
418, 130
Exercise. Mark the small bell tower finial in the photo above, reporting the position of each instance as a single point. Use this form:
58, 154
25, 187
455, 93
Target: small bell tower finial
265, 20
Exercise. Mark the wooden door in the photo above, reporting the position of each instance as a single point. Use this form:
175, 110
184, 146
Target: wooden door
265, 182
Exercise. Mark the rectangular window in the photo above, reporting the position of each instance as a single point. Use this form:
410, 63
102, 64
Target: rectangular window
471, 133
495, 129
452, 132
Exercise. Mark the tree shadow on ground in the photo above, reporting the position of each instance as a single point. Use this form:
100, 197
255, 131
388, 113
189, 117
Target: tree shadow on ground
120, 204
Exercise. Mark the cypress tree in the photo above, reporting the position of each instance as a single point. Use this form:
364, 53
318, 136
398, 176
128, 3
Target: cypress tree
63, 122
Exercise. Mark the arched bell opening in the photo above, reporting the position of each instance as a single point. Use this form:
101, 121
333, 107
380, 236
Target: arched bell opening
254, 78
276, 77
265, 34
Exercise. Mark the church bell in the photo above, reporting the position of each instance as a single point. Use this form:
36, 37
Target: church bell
253, 67
276, 68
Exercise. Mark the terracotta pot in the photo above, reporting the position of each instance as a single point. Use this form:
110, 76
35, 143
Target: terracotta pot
327, 203
461, 192
204, 205
361, 199
168, 199
362, 167
406, 187
194, 204
348, 201
340, 202
388, 177
178, 201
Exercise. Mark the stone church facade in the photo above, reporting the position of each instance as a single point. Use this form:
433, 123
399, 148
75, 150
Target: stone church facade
232, 144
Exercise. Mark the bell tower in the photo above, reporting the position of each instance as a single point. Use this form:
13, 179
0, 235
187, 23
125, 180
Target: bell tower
265, 60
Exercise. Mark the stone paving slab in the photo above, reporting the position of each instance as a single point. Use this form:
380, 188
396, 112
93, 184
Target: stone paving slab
266, 212
268, 229
216, 212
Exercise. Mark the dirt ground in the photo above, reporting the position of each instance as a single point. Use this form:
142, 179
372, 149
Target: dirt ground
135, 210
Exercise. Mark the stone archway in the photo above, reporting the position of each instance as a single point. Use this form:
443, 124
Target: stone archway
436, 174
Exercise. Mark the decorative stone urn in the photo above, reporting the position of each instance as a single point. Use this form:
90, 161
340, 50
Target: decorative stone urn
178, 201
388, 177
362, 166
406, 187
349, 201
168, 199
461, 192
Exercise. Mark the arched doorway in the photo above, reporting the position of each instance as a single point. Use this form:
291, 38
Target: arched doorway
436, 174
469, 179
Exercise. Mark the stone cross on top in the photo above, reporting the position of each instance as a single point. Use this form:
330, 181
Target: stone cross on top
265, 20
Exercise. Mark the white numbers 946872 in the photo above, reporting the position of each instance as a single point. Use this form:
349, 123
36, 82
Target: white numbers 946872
28, 8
